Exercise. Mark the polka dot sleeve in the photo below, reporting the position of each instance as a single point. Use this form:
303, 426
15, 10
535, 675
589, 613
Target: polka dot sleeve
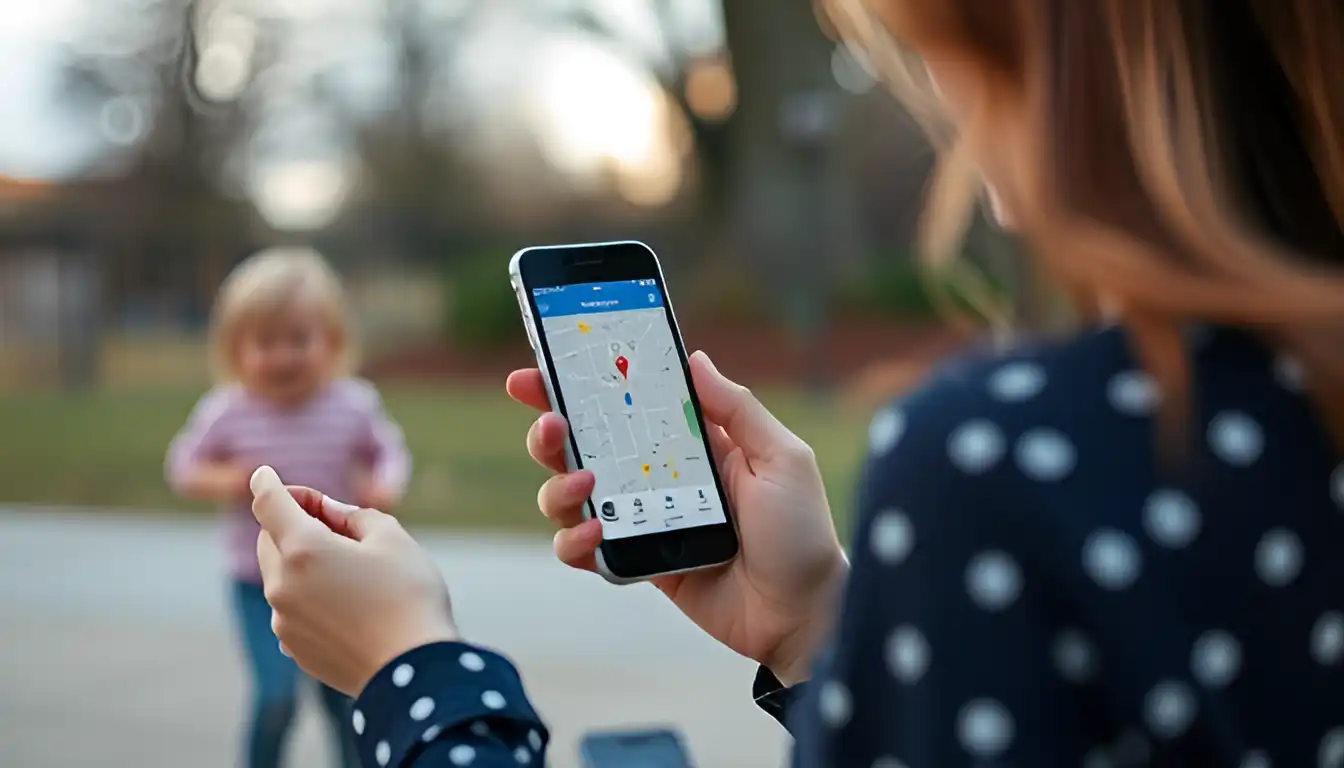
448, 704
952, 649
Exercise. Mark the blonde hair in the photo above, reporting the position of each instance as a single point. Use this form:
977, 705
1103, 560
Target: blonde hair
268, 283
1183, 159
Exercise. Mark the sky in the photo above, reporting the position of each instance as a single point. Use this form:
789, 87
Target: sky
37, 138
512, 66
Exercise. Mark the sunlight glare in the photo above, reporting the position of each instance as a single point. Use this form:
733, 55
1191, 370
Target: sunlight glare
597, 112
301, 194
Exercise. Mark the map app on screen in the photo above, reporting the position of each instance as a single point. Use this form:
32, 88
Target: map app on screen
629, 406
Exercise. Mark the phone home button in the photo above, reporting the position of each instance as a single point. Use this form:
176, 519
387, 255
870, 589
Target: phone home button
672, 553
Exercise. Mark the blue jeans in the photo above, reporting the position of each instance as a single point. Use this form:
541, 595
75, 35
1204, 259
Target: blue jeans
275, 688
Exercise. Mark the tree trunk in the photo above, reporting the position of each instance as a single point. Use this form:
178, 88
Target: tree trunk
789, 195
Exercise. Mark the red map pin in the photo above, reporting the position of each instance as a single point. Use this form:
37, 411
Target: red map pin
622, 365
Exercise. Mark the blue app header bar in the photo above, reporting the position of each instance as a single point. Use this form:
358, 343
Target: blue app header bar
594, 298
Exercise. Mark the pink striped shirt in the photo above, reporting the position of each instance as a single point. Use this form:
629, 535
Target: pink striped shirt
337, 436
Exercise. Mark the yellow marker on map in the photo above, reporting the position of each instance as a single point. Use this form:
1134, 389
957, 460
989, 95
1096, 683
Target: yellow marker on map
584, 328
645, 468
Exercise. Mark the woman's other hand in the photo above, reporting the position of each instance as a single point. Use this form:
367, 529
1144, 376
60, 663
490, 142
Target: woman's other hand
775, 602
349, 588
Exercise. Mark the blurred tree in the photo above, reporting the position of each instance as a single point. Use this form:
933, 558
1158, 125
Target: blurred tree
160, 222
418, 185
770, 187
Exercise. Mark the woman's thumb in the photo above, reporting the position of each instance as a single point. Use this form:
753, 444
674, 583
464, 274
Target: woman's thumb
275, 508
732, 406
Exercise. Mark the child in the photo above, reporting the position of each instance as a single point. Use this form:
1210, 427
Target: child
282, 350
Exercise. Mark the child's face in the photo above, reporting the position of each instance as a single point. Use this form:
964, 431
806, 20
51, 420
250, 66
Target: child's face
287, 357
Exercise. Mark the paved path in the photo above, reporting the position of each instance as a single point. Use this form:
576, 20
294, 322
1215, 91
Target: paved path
116, 648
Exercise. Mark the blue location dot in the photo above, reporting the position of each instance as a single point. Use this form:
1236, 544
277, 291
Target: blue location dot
627, 399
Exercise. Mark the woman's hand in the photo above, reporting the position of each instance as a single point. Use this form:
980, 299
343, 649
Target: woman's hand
349, 588
775, 602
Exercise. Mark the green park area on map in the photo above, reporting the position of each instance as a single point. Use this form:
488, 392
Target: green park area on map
691, 421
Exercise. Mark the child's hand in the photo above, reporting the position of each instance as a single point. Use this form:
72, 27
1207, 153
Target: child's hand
216, 481
370, 495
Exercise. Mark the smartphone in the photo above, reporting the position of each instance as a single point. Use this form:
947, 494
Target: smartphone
637, 749
612, 359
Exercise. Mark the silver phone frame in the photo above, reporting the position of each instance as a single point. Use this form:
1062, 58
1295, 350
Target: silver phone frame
532, 324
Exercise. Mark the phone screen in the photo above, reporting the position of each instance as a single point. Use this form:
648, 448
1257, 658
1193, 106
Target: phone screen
655, 749
634, 423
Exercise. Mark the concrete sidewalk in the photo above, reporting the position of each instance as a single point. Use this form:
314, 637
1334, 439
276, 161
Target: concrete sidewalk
116, 648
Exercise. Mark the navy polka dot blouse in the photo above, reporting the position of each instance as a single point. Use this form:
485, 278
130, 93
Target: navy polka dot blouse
1029, 589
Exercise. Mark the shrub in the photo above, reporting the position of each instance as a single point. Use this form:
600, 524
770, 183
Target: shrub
482, 309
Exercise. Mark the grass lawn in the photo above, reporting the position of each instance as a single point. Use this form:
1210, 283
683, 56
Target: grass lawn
472, 470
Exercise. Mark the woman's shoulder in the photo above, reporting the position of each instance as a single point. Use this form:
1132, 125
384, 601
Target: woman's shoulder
1023, 382
996, 439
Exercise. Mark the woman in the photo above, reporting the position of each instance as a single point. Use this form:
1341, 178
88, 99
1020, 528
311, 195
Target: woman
1118, 549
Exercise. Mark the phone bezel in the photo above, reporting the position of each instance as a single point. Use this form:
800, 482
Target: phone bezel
635, 558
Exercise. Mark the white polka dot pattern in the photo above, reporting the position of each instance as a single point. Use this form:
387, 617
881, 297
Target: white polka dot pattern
1236, 438
422, 708
1331, 752
1278, 557
891, 537
357, 722
1133, 393
1074, 656
522, 756
493, 700
402, 675
534, 739
985, 728
482, 729
1327, 639
1017, 382
1112, 559
462, 754
472, 662
835, 704
1171, 519
382, 752
886, 431
993, 580
907, 654
1169, 708
1289, 373
1045, 455
1215, 659
975, 447
431, 733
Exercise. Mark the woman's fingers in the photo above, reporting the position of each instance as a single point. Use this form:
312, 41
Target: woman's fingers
526, 387
575, 546
562, 497
546, 441
752, 428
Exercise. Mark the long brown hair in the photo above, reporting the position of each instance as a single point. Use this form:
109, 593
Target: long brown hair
1181, 158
